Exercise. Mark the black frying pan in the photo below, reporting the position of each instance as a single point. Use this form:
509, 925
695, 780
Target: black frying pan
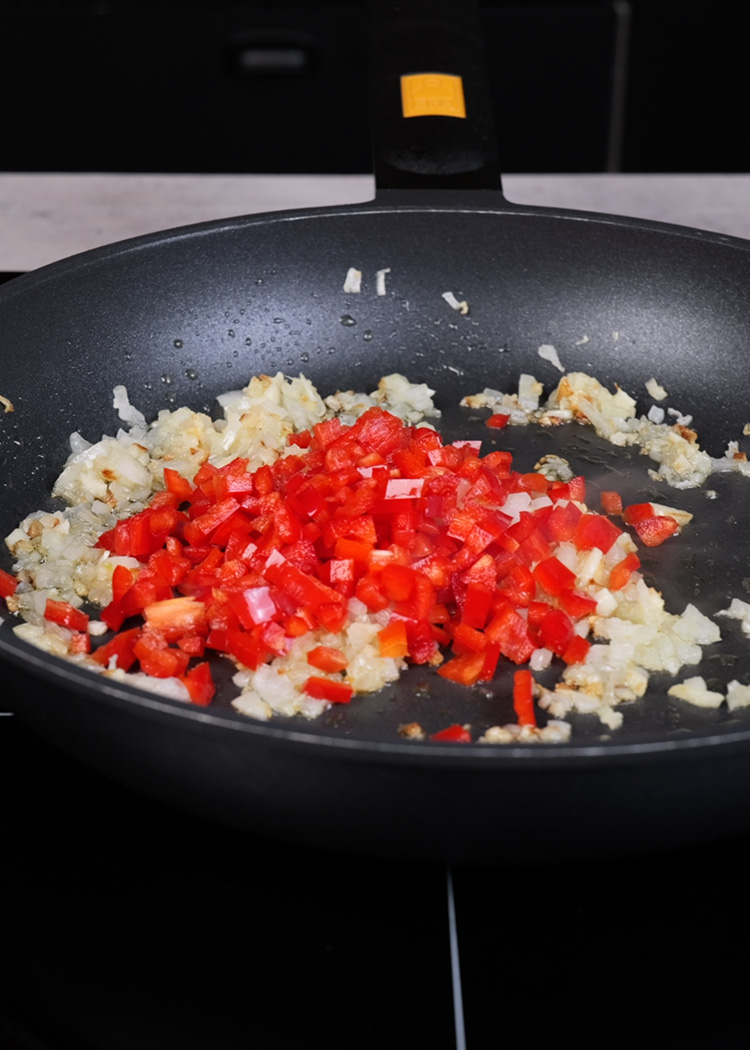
256, 294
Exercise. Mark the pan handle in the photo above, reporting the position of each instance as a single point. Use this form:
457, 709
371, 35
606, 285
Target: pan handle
432, 119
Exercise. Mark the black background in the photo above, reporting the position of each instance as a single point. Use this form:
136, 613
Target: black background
164, 86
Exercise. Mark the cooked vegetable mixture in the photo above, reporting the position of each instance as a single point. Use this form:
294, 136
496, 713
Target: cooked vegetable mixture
324, 545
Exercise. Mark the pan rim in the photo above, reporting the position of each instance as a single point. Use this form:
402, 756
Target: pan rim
396, 203
88, 685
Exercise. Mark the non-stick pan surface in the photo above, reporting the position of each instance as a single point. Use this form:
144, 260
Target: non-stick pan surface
182, 316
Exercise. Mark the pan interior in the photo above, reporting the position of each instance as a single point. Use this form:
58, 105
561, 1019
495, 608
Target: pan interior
182, 317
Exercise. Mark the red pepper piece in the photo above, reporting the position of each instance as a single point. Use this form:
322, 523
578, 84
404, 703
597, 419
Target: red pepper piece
552, 576
620, 574
594, 530
371, 594
8, 584
393, 640
576, 605
611, 502
122, 647
200, 684
577, 650
398, 582
176, 617
380, 431
80, 643
653, 531
464, 670
562, 521
523, 698
491, 658
511, 633
556, 631
497, 420
468, 639
177, 485
328, 689
326, 658
454, 734
66, 615
637, 512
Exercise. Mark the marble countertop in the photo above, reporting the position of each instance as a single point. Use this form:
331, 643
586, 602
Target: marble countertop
44, 217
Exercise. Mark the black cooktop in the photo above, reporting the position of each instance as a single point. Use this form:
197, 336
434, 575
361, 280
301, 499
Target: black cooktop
128, 924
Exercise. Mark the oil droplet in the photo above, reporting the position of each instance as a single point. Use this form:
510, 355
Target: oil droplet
235, 353
304, 358
347, 320
367, 336
248, 341
191, 373
148, 386
167, 379
278, 320
259, 280
331, 349
230, 333
177, 344
128, 356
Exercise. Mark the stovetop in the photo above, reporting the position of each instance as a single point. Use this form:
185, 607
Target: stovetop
129, 925
132, 926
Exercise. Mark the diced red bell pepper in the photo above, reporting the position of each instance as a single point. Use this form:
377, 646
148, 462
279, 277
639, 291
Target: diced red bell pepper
464, 670
620, 574
177, 485
121, 647
576, 605
491, 659
556, 631
561, 524
8, 584
393, 640
552, 576
577, 650
654, 531
80, 642
611, 502
523, 698
637, 512
66, 615
326, 658
454, 734
398, 582
176, 617
468, 639
594, 530
511, 632
328, 689
200, 684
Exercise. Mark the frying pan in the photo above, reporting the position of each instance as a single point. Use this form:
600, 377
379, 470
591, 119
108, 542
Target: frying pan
180, 316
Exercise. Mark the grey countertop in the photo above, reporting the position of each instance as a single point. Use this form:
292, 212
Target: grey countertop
44, 217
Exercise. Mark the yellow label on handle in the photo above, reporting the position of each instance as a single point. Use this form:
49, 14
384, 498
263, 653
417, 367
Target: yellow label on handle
432, 95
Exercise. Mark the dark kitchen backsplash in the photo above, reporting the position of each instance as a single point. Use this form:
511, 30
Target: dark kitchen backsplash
240, 86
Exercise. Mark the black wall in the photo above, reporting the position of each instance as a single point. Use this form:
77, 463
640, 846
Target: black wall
281, 86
